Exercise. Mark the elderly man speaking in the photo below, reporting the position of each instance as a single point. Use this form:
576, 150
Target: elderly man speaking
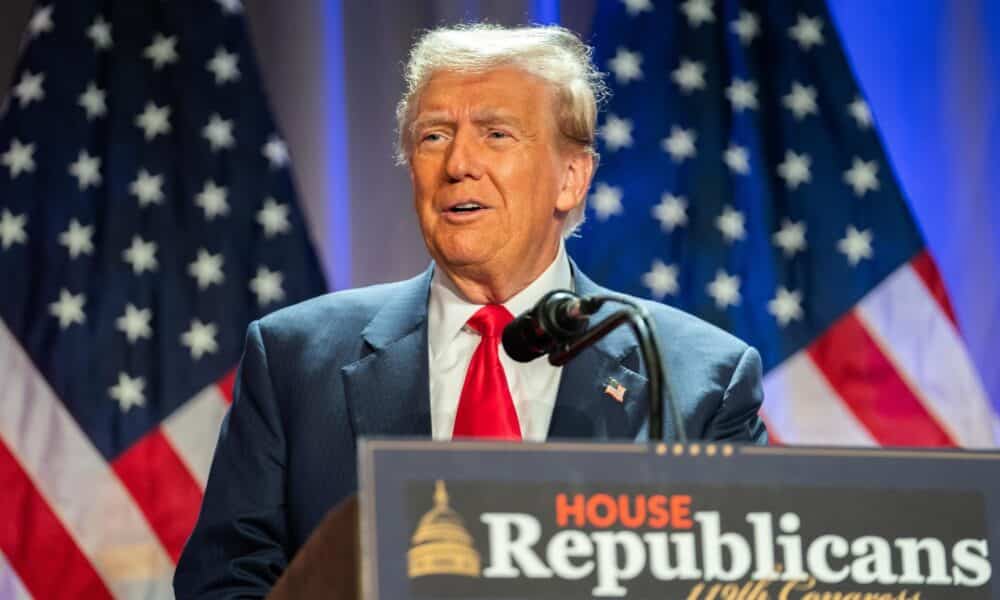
497, 128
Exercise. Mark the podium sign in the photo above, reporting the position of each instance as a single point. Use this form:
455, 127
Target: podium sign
700, 522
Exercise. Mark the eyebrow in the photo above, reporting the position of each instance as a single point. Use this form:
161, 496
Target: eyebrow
486, 116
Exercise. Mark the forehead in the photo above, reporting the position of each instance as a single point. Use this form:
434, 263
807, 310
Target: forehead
501, 89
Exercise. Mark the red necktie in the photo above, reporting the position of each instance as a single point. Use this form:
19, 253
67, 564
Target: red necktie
485, 408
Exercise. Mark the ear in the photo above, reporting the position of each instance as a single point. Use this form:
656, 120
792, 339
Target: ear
577, 172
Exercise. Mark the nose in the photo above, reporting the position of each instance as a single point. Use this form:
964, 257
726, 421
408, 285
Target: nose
464, 158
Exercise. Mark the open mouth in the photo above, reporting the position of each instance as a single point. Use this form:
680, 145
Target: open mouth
465, 207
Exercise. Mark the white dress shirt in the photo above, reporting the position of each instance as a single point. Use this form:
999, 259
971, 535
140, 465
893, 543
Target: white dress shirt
451, 343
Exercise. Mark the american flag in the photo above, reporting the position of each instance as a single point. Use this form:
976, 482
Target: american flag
743, 180
147, 215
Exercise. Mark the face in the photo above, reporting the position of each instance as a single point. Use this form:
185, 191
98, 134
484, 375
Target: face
492, 183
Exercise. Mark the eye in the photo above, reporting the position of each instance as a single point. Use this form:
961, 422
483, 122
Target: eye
496, 134
431, 137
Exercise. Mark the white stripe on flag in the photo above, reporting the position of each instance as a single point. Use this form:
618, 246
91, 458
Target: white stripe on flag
79, 486
802, 408
193, 430
11, 587
927, 351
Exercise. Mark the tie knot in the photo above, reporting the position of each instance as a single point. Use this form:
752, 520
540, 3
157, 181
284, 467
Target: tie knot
490, 320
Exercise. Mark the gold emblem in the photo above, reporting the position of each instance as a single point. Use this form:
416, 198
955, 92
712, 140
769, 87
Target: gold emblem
441, 545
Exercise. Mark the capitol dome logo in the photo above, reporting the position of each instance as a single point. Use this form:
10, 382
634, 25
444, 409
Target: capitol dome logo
441, 545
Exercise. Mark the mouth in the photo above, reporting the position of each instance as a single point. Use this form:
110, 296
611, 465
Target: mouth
464, 208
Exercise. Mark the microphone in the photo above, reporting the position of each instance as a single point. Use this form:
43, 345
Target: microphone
557, 319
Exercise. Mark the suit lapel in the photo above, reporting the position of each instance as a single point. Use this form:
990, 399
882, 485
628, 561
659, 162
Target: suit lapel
387, 390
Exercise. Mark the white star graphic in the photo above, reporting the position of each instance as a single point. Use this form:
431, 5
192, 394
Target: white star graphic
795, 169
786, 306
231, 7
147, 188
616, 132
68, 309
634, 7
698, 12
671, 212
154, 120
808, 32
747, 27
273, 217
19, 158
266, 285
276, 152
41, 21
141, 255
861, 113
206, 269
680, 144
135, 323
862, 176
212, 200
725, 289
225, 66
801, 100
77, 239
689, 76
12, 229
626, 66
742, 94
163, 51
732, 224
856, 245
606, 201
661, 279
219, 133
93, 101
87, 170
29, 89
791, 238
99, 33
200, 339
128, 392
737, 158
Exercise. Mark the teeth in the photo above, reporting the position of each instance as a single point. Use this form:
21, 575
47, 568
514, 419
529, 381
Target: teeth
466, 206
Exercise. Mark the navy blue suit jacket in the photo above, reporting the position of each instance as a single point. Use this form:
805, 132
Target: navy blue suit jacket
317, 376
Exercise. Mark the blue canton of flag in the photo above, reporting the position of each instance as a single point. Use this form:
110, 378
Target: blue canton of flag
147, 215
742, 180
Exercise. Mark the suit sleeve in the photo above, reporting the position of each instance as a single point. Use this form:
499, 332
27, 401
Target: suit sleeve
737, 418
238, 547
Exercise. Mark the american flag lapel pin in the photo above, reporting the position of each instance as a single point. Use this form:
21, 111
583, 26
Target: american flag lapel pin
615, 390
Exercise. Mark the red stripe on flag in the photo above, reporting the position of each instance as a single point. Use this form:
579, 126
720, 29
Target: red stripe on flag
926, 268
37, 546
870, 386
163, 488
226, 386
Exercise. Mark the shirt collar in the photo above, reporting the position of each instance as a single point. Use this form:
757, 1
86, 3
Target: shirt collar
448, 311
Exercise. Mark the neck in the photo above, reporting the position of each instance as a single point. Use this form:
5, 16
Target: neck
482, 286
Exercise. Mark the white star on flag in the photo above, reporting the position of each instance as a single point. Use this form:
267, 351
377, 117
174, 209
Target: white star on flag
206, 269
135, 323
698, 12
231, 7
147, 188
725, 289
661, 279
225, 66
737, 158
689, 76
12, 229
742, 94
212, 200
671, 212
616, 132
29, 89
626, 66
273, 217
219, 133
266, 285
808, 32
680, 144
128, 392
141, 255
861, 176
276, 152
856, 245
93, 101
154, 120
68, 309
634, 7
200, 339
87, 170
795, 169
791, 238
746, 27
19, 158
786, 306
732, 224
77, 239
41, 21
859, 110
99, 33
163, 51
801, 100
606, 201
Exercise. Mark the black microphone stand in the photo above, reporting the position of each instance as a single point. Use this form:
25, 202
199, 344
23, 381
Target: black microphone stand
642, 326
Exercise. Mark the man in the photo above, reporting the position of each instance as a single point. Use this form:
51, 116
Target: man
497, 128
